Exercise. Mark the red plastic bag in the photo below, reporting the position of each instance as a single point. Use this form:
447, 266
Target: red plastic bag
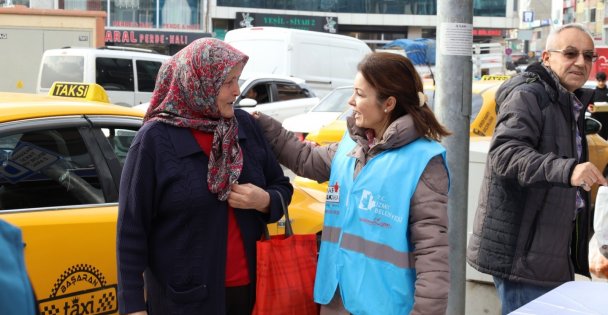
286, 267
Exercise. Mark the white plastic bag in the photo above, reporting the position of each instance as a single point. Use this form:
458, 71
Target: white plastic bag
598, 246
600, 219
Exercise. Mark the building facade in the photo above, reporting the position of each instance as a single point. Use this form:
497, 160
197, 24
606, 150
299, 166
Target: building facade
172, 24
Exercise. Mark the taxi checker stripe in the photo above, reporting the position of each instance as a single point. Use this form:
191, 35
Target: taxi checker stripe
331, 234
377, 250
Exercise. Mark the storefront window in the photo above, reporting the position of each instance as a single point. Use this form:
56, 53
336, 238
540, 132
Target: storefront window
174, 14
133, 13
414, 7
180, 14
75, 4
489, 7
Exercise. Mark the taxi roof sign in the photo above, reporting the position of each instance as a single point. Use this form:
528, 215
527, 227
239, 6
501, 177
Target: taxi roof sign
87, 91
495, 77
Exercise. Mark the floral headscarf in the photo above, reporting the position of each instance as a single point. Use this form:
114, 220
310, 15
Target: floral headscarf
185, 95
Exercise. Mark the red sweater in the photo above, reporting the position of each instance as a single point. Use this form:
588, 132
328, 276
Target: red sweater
236, 262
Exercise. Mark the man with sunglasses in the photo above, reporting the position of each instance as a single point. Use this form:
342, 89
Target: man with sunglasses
531, 230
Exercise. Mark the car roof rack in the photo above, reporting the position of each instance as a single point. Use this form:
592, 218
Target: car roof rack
125, 48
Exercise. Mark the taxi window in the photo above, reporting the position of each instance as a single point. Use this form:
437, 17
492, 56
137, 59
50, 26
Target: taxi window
62, 68
476, 103
120, 140
47, 168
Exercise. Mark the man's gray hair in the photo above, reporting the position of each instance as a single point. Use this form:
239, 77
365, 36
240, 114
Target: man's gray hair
559, 29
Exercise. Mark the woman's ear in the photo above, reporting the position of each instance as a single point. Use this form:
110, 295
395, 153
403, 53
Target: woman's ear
389, 104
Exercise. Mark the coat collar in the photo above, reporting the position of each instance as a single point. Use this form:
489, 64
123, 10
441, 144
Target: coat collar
184, 142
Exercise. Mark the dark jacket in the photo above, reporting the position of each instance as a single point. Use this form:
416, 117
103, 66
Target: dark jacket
600, 95
172, 228
525, 227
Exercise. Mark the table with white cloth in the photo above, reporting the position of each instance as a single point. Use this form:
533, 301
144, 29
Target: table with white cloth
570, 298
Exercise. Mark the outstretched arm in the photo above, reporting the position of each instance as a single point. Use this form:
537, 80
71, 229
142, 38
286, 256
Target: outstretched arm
302, 158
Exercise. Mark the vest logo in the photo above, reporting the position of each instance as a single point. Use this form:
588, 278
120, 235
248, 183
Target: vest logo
333, 193
81, 289
367, 202
378, 206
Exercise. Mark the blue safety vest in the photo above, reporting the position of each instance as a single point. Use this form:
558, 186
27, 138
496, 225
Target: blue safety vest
365, 245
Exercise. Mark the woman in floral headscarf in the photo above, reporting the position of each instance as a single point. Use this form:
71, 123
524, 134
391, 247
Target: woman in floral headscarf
198, 184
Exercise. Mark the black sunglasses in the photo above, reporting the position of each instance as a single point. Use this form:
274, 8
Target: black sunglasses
588, 55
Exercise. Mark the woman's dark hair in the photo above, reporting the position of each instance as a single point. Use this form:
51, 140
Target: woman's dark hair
394, 75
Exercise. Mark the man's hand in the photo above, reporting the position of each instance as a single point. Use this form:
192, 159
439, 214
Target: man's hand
249, 196
585, 175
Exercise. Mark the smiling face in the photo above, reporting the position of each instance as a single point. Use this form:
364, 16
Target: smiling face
367, 110
572, 72
229, 92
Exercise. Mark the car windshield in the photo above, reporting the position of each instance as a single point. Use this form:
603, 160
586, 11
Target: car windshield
62, 68
336, 101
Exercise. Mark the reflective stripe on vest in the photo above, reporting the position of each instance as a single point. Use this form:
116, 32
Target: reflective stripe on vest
368, 248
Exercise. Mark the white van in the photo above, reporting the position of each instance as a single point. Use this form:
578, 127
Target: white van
127, 74
325, 61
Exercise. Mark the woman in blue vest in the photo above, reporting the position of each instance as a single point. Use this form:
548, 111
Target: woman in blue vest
384, 247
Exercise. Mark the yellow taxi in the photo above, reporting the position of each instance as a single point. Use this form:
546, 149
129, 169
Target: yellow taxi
60, 162
61, 158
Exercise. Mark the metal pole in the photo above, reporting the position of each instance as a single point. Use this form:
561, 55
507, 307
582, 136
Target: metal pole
453, 108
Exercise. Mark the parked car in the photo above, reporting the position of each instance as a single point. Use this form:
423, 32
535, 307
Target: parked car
277, 96
60, 164
328, 109
127, 74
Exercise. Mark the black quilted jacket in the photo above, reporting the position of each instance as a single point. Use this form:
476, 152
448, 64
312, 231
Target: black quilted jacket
525, 227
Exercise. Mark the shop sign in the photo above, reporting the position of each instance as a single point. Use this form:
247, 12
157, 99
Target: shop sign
487, 32
311, 23
116, 36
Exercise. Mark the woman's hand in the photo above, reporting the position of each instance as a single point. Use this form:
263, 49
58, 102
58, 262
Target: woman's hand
249, 196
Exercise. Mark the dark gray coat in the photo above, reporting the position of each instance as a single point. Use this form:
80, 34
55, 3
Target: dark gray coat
524, 228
